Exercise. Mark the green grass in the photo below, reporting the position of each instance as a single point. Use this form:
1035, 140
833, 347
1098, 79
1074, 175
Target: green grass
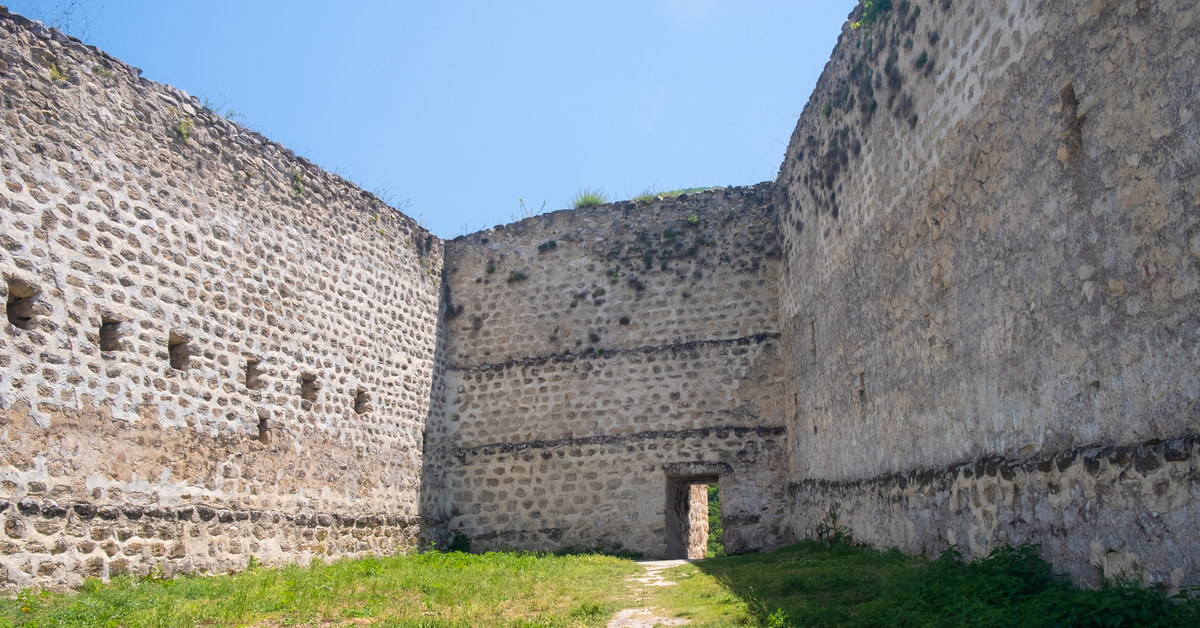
434, 589
811, 583
649, 194
814, 584
587, 197
716, 536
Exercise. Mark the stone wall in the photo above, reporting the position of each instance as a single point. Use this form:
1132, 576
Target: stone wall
965, 313
992, 251
590, 350
212, 348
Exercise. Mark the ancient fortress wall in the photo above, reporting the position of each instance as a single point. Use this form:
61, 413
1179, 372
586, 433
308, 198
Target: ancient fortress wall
991, 225
601, 359
965, 313
212, 348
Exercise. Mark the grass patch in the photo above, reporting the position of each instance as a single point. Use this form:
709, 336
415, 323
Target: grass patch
812, 583
587, 197
650, 195
820, 584
434, 589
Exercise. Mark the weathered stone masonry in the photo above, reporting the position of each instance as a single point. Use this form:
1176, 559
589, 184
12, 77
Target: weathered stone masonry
601, 359
213, 349
965, 313
992, 252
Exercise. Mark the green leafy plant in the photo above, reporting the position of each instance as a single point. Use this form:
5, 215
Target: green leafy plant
56, 73
103, 72
297, 182
225, 112
831, 533
516, 276
459, 543
649, 194
587, 197
692, 220
872, 10
185, 128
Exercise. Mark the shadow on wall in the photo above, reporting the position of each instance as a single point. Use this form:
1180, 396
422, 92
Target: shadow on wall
434, 497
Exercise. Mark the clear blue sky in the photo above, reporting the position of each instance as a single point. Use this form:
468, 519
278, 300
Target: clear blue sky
462, 108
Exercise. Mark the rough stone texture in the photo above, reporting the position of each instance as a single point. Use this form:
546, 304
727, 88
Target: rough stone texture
1099, 511
998, 258
120, 237
611, 493
635, 338
965, 313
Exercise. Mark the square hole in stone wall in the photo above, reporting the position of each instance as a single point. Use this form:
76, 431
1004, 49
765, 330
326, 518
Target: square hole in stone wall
362, 402
254, 373
264, 426
308, 387
179, 350
110, 334
21, 299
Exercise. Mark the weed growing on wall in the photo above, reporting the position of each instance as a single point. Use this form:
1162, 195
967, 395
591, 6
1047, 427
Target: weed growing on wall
57, 74
185, 128
587, 197
459, 543
831, 533
649, 194
527, 212
297, 183
872, 9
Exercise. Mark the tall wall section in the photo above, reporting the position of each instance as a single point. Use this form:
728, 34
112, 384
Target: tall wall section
212, 349
601, 358
991, 230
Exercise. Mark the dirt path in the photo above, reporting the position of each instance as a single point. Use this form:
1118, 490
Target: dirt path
647, 617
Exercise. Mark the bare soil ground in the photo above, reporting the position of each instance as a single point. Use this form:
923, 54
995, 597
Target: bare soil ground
647, 617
